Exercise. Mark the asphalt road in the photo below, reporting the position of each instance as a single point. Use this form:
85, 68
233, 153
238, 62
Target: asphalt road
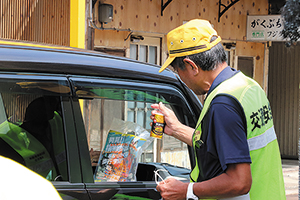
290, 169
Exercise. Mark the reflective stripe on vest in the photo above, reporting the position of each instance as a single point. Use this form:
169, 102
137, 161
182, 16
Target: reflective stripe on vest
267, 179
262, 140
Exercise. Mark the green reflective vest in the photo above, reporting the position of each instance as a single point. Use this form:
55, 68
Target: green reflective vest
35, 155
266, 169
32, 151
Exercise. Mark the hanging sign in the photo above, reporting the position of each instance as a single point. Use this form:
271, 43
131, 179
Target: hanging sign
264, 28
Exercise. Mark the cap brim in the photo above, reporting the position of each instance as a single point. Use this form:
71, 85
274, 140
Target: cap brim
166, 64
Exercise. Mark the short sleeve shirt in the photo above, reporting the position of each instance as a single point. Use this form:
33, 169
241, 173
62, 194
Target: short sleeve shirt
223, 133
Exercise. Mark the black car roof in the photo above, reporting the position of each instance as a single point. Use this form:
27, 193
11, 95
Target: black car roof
18, 56
32, 57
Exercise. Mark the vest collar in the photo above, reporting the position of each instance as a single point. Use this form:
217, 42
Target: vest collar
225, 74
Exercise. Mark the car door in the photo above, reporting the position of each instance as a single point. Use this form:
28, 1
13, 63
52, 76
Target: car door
97, 103
37, 109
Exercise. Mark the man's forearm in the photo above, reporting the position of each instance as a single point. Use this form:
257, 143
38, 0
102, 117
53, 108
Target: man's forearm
184, 134
234, 182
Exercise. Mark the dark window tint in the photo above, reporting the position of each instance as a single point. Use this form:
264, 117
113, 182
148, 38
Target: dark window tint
31, 124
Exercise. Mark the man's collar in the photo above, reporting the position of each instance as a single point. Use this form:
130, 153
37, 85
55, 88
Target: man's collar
225, 74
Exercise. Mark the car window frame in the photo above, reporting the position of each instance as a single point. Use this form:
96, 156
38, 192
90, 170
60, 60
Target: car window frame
126, 187
74, 183
79, 166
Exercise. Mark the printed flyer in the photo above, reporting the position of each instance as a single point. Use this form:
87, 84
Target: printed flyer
119, 158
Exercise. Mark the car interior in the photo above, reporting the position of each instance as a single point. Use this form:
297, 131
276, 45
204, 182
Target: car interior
32, 128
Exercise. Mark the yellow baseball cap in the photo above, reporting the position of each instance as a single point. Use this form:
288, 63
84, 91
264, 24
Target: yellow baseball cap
190, 38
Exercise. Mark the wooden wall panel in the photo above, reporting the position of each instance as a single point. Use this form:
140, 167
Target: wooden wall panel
112, 39
145, 15
255, 50
36, 20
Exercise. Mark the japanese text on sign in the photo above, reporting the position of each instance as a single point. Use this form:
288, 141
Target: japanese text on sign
264, 28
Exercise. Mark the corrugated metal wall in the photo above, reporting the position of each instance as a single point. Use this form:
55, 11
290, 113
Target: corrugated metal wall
283, 93
46, 21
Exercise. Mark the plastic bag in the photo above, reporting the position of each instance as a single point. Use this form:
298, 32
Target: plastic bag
124, 145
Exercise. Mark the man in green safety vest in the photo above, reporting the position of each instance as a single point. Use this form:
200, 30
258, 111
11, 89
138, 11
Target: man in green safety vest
236, 149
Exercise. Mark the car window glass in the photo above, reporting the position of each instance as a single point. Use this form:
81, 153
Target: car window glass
102, 102
31, 128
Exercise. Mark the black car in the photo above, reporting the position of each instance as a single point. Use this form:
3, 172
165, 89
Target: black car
57, 105
160, 171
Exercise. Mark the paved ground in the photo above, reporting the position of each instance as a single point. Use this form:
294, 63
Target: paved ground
290, 170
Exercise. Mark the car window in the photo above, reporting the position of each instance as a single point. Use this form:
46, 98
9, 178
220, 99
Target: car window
31, 128
102, 101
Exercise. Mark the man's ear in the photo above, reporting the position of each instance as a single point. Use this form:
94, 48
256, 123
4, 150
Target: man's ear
192, 64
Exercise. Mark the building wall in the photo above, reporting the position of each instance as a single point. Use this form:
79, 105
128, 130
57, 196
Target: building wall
36, 20
284, 96
257, 51
143, 17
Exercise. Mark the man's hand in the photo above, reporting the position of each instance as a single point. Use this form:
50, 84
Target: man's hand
170, 118
94, 156
172, 189
234, 182
173, 126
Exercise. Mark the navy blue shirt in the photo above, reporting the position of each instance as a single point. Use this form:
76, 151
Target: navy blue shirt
223, 133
